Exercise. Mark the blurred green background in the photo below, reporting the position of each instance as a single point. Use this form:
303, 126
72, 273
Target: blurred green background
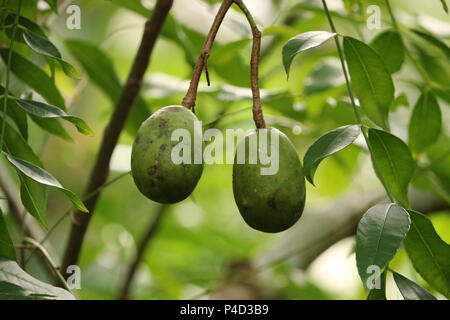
202, 243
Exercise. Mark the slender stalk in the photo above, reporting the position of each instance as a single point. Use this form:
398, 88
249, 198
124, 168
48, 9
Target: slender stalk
191, 95
143, 245
258, 115
48, 258
350, 92
8, 73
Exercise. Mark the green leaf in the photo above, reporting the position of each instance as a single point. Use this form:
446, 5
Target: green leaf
12, 274
43, 110
16, 114
26, 23
389, 46
43, 46
52, 126
379, 235
6, 245
40, 44
33, 194
444, 5
101, 71
429, 254
35, 78
379, 294
303, 42
371, 80
40, 175
426, 123
437, 69
411, 290
393, 163
434, 41
328, 144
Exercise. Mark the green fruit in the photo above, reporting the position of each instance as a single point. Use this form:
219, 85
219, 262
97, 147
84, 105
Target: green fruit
155, 173
270, 203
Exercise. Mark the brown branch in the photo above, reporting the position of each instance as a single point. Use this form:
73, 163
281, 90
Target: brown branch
191, 95
131, 89
143, 245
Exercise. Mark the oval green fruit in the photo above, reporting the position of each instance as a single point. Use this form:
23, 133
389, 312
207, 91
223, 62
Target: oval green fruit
269, 202
156, 173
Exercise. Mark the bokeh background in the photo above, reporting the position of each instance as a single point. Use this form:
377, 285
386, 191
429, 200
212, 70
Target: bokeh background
202, 243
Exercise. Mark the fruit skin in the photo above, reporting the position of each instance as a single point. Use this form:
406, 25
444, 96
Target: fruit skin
270, 203
154, 172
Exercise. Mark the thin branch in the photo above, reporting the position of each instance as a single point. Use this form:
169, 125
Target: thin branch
191, 95
143, 245
130, 91
46, 256
350, 93
31, 229
68, 211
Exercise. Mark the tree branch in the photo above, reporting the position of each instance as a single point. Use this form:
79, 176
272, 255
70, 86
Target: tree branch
143, 245
100, 172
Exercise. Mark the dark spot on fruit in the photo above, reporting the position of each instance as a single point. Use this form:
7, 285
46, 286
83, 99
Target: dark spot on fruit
153, 169
272, 203
163, 147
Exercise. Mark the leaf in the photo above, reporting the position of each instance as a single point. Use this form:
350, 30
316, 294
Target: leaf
371, 80
6, 245
26, 23
426, 123
328, 144
434, 41
379, 235
11, 273
429, 254
436, 69
33, 194
9, 291
379, 294
52, 126
40, 44
444, 5
303, 42
43, 110
411, 290
101, 71
43, 46
35, 78
393, 163
16, 114
40, 175
389, 46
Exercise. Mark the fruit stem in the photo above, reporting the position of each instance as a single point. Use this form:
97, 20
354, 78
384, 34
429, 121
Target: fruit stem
191, 95
258, 115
